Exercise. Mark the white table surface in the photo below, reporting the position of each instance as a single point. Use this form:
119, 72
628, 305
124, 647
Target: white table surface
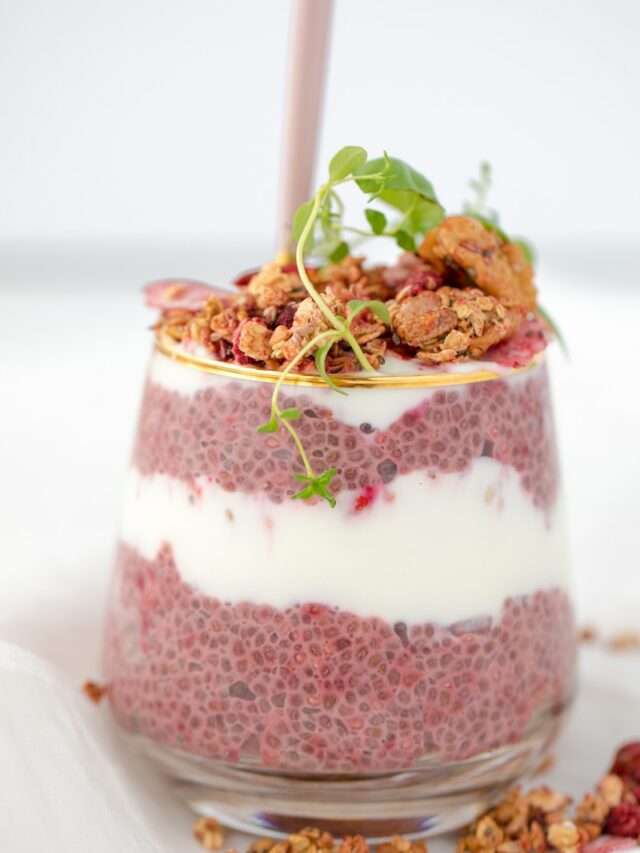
72, 353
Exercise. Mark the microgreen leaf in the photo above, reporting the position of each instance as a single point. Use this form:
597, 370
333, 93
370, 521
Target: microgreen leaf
341, 251
321, 358
481, 186
271, 425
405, 241
420, 214
316, 486
290, 414
398, 175
300, 219
303, 494
551, 323
356, 306
376, 219
348, 160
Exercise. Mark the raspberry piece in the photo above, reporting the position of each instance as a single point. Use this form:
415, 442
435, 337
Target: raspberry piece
624, 821
627, 762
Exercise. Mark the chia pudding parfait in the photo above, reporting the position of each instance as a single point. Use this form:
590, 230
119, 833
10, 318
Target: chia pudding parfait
341, 591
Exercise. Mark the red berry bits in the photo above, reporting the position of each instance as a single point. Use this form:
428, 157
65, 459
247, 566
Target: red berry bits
624, 820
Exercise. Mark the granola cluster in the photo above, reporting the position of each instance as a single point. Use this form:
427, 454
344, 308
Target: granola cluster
540, 821
465, 291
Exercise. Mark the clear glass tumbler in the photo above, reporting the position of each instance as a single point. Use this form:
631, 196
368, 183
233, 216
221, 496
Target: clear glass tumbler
389, 665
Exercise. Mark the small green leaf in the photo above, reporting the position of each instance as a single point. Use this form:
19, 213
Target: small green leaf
376, 219
300, 219
356, 306
316, 486
398, 176
271, 425
405, 241
291, 414
304, 494
346, 161
321, 357
341, 251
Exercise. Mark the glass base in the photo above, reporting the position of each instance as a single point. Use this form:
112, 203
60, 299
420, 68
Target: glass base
433, 797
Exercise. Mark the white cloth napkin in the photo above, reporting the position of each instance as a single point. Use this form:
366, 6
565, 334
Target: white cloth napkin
67, 784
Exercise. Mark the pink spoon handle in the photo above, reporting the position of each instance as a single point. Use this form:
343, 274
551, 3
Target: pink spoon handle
305, 91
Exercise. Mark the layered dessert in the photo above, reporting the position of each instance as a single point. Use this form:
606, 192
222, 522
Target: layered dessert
320, 582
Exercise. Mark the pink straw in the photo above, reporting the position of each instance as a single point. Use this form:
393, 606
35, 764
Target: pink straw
307, 71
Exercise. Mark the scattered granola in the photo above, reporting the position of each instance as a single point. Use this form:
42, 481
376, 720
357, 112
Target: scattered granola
627, 640
540, 821
536, 822
466, 291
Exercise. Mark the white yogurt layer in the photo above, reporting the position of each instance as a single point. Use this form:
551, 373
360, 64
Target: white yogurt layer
444, 549
379, 407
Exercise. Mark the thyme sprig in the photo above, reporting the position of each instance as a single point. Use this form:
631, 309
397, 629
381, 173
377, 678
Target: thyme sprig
318, 226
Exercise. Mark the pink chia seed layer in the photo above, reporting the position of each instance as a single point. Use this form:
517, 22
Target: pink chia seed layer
212, 434
313, 689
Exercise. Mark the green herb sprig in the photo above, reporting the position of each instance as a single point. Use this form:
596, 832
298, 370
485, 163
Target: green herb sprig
350, 164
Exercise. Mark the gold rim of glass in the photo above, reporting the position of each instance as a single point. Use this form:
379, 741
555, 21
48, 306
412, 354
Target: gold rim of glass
167, 346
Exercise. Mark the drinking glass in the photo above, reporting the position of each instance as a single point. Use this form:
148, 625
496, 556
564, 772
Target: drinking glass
390, 665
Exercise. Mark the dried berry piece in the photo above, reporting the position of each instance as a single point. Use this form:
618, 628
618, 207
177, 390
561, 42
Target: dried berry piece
624, 820
627, 761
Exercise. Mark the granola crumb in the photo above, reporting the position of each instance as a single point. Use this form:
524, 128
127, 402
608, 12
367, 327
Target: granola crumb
587, 634
353, 844
261, 845
94, 691
624, 641
547, 763
400, 844
308, 840
563, 836
209, 833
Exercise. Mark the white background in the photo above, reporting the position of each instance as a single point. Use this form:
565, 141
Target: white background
162, 119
